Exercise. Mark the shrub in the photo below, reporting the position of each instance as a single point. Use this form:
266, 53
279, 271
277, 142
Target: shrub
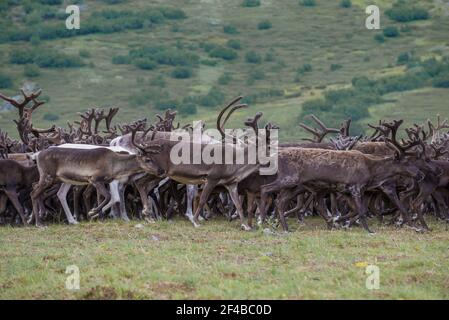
31, 71
120, 60
51, 2
405, 12
307, 3
335, 67
145, 63
187, 109
158, 81
53, 59
442, 81
209, 62
35, 40
50, 117
83, 53
403, 58
306, 67
346, 4
391, 32
256, 74
224, 79
264, 25
230, 29
234, 44
5, 81
253, 57
173, 14
20, 56
379, 38
213, 98
223, 53
166, 104
113, 1
251, 3
182, 73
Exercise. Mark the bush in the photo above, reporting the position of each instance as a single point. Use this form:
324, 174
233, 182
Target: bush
225, 79
50, 117
182, 73
209, 62
5, 81
253, 57
234, 44
264, 25
223, 53
145, 63
120, 60
51, 2
158, 81
391, 32
403, 58
307, 3
442, 81
346, 4
53, 59
251, 3
335, 67
31, 71
306, 67
187, 109
256, 74
166, 104
230, 29
213, 98
379, 38
83, 53
21, 56
405, 12
173, 14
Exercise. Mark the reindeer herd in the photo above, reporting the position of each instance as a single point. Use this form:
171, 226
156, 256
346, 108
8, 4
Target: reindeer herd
94, 169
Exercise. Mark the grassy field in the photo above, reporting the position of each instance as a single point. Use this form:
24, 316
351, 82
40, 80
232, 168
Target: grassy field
320, 36
174, 260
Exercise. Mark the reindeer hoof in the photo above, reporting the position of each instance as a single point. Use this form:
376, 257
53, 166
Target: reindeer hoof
73, 222
245, 227
196, 224
201, 218
150, 220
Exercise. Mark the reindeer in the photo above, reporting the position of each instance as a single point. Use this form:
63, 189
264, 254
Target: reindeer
15, 177
82, 167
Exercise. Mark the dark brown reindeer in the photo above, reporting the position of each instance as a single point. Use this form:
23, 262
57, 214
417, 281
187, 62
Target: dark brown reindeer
349, 172
15, 177
211, 175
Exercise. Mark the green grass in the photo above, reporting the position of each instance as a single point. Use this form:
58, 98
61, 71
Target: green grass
174, 260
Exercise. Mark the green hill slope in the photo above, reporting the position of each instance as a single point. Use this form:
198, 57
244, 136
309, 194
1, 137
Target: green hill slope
144, 56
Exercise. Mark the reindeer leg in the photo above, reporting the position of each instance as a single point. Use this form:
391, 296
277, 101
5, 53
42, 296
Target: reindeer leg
44, 183
283, 197
101, 190
12, 195
208, 188
62, 196
357, 195
232, 189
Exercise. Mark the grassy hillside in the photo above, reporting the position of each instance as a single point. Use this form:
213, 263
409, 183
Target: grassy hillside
307, 51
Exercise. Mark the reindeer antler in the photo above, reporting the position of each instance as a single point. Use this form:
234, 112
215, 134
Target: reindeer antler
253, 122
317, 133
235, 106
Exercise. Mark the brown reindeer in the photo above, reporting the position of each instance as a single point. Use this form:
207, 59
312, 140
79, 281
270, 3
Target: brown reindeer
15, 177
81, 167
